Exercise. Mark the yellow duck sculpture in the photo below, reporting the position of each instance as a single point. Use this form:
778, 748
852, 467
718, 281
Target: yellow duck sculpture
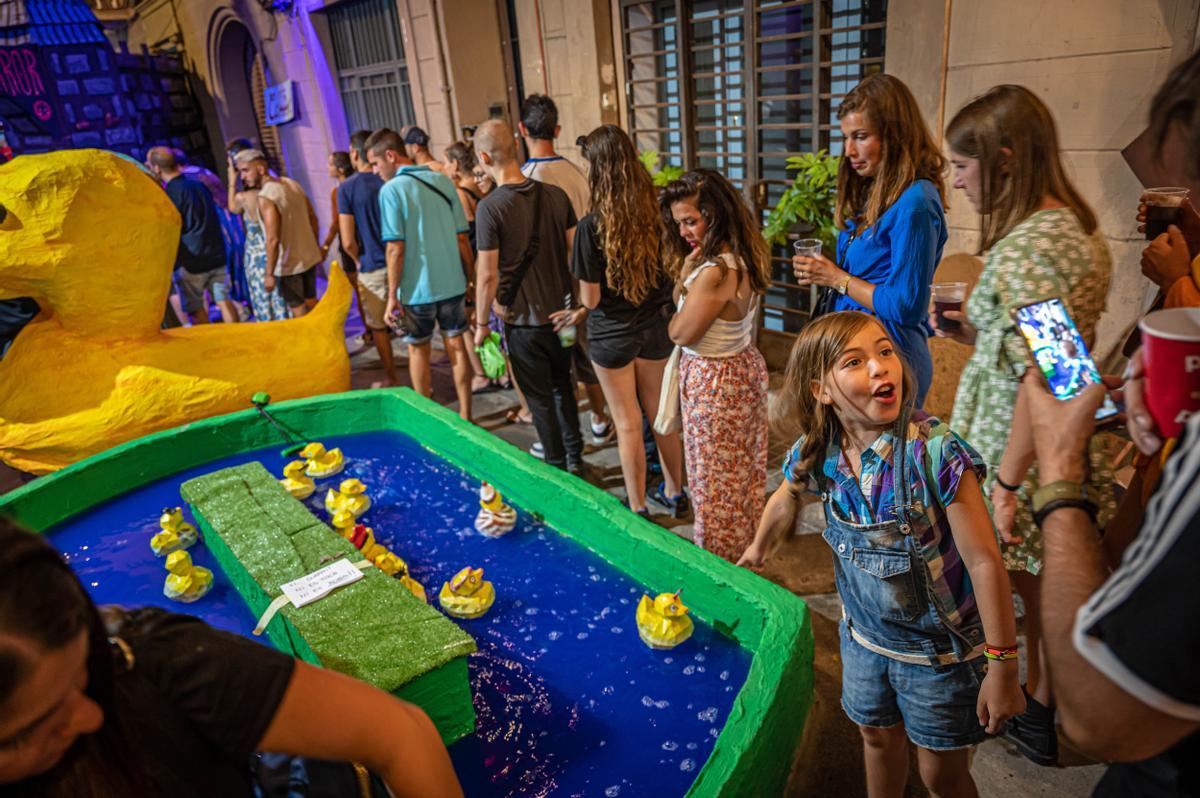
92, 237
321, 463
350, 496
175, 533
186, 582
296, 481
467, 595
663, 622
495, 517
363, 538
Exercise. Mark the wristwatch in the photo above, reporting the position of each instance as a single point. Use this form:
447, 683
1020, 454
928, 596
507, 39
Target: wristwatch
844, 285
1060, 494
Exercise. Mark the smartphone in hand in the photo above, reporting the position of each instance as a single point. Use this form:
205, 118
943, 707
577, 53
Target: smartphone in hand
1060, 353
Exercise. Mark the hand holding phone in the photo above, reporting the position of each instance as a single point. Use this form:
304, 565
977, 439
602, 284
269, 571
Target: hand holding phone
1060, 352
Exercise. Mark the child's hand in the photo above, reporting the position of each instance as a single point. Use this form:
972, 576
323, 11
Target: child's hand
752, 557
1000, 696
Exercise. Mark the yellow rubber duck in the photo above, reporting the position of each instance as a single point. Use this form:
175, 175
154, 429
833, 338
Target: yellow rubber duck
320, 463
664, 622
344, 522
495, 518
395, 566
175, 533
296, 481
186, 582
467, 595
350, 496
91, 236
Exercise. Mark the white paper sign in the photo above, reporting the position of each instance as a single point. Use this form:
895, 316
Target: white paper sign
320, 584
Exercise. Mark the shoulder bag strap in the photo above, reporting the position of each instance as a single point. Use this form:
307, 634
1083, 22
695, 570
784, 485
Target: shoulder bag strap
434, 189
535, 242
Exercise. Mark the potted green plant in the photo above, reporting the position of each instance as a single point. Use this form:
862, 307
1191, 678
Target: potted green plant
660, 175
808, 203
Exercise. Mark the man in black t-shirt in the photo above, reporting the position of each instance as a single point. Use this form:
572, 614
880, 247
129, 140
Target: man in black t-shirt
1122, 648
538, 289
200, 259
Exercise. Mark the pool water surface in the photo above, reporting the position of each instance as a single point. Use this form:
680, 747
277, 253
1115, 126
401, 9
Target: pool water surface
569, 701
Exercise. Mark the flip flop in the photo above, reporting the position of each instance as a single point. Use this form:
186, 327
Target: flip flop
513, 416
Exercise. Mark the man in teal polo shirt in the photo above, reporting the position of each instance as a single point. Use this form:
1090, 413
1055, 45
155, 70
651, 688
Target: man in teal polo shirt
428, 261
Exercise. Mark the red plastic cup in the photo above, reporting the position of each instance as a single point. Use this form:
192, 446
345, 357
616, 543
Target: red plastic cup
1171, 358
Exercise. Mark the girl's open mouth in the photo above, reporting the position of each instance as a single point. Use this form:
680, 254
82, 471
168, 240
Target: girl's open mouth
885, 394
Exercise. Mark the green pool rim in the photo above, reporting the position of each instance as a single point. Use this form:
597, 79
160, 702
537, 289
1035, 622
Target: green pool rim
753, 754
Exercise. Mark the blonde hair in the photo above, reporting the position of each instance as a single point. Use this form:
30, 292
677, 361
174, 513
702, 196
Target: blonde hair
626, 210
908, 152
796, 412
1012, 188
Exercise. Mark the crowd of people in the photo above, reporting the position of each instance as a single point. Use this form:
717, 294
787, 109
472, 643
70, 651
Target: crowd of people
648, 298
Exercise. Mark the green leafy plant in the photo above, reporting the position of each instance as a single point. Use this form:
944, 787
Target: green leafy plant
809, 200
661, 176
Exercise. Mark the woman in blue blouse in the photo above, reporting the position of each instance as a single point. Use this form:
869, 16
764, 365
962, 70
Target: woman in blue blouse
889, 212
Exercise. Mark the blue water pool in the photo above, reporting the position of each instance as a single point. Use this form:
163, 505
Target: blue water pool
569, 700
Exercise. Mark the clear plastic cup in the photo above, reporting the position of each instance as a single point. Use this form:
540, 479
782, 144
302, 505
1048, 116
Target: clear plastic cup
948, 296
807, 247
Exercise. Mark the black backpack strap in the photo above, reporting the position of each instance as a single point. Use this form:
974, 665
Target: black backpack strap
535, 242
434, 189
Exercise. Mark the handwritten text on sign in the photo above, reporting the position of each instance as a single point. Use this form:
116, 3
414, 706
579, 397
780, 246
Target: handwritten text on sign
321, 583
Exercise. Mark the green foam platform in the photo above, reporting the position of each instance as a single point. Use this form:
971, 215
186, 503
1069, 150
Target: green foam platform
374, 629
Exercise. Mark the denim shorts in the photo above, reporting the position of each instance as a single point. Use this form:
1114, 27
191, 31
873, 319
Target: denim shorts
193, 285
448, 314
936, 704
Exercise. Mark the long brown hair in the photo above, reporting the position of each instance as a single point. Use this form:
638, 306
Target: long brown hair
42, 602
1177, 102
908, 151
627, 220
796, 412
730, 225
1012, 185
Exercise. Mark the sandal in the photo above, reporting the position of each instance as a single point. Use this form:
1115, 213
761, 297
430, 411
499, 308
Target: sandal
513, 416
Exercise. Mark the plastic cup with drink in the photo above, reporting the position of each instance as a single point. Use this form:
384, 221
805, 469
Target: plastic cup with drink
1171, 362
1164, 207
808, 248
948, 296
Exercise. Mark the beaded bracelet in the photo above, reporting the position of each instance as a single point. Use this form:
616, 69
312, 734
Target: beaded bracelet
1000, 654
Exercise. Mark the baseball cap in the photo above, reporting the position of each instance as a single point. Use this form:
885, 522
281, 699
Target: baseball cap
416, 136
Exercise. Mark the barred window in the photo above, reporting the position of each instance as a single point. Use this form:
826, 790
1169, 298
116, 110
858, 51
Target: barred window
741, 85
372, 73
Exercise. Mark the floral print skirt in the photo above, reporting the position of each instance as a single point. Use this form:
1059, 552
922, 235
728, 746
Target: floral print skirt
724, 404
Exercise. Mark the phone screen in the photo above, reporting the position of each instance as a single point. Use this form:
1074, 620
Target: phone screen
1059, 351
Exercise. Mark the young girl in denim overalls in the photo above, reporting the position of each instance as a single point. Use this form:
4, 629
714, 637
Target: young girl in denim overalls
928, 638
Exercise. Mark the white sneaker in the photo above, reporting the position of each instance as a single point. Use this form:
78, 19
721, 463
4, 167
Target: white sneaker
537, 451
602, 433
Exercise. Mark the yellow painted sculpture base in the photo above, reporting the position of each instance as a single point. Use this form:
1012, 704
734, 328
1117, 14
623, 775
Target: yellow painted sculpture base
92, 238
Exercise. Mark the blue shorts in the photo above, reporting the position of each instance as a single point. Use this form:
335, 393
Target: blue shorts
448, 314
936, 704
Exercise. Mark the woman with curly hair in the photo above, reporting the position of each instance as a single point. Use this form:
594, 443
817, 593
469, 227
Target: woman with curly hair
628, 295
712, 242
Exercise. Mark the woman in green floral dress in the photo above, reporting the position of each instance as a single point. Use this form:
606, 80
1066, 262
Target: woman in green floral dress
1041, 241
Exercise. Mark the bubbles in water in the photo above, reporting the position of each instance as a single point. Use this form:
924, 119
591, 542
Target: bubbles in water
689, 670
724, 676
687, 765
594, 577
616, 630
670, 745
612, 792
662, 704
691, 746
699, 658
608, 689
708, 715
668, 660
557, 634
531, 611
647, 701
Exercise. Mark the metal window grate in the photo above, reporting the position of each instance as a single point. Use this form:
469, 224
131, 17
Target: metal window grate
368, 54
741, 85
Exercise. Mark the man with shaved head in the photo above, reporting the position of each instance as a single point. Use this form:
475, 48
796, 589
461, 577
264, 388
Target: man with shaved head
200, 259
524, 230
